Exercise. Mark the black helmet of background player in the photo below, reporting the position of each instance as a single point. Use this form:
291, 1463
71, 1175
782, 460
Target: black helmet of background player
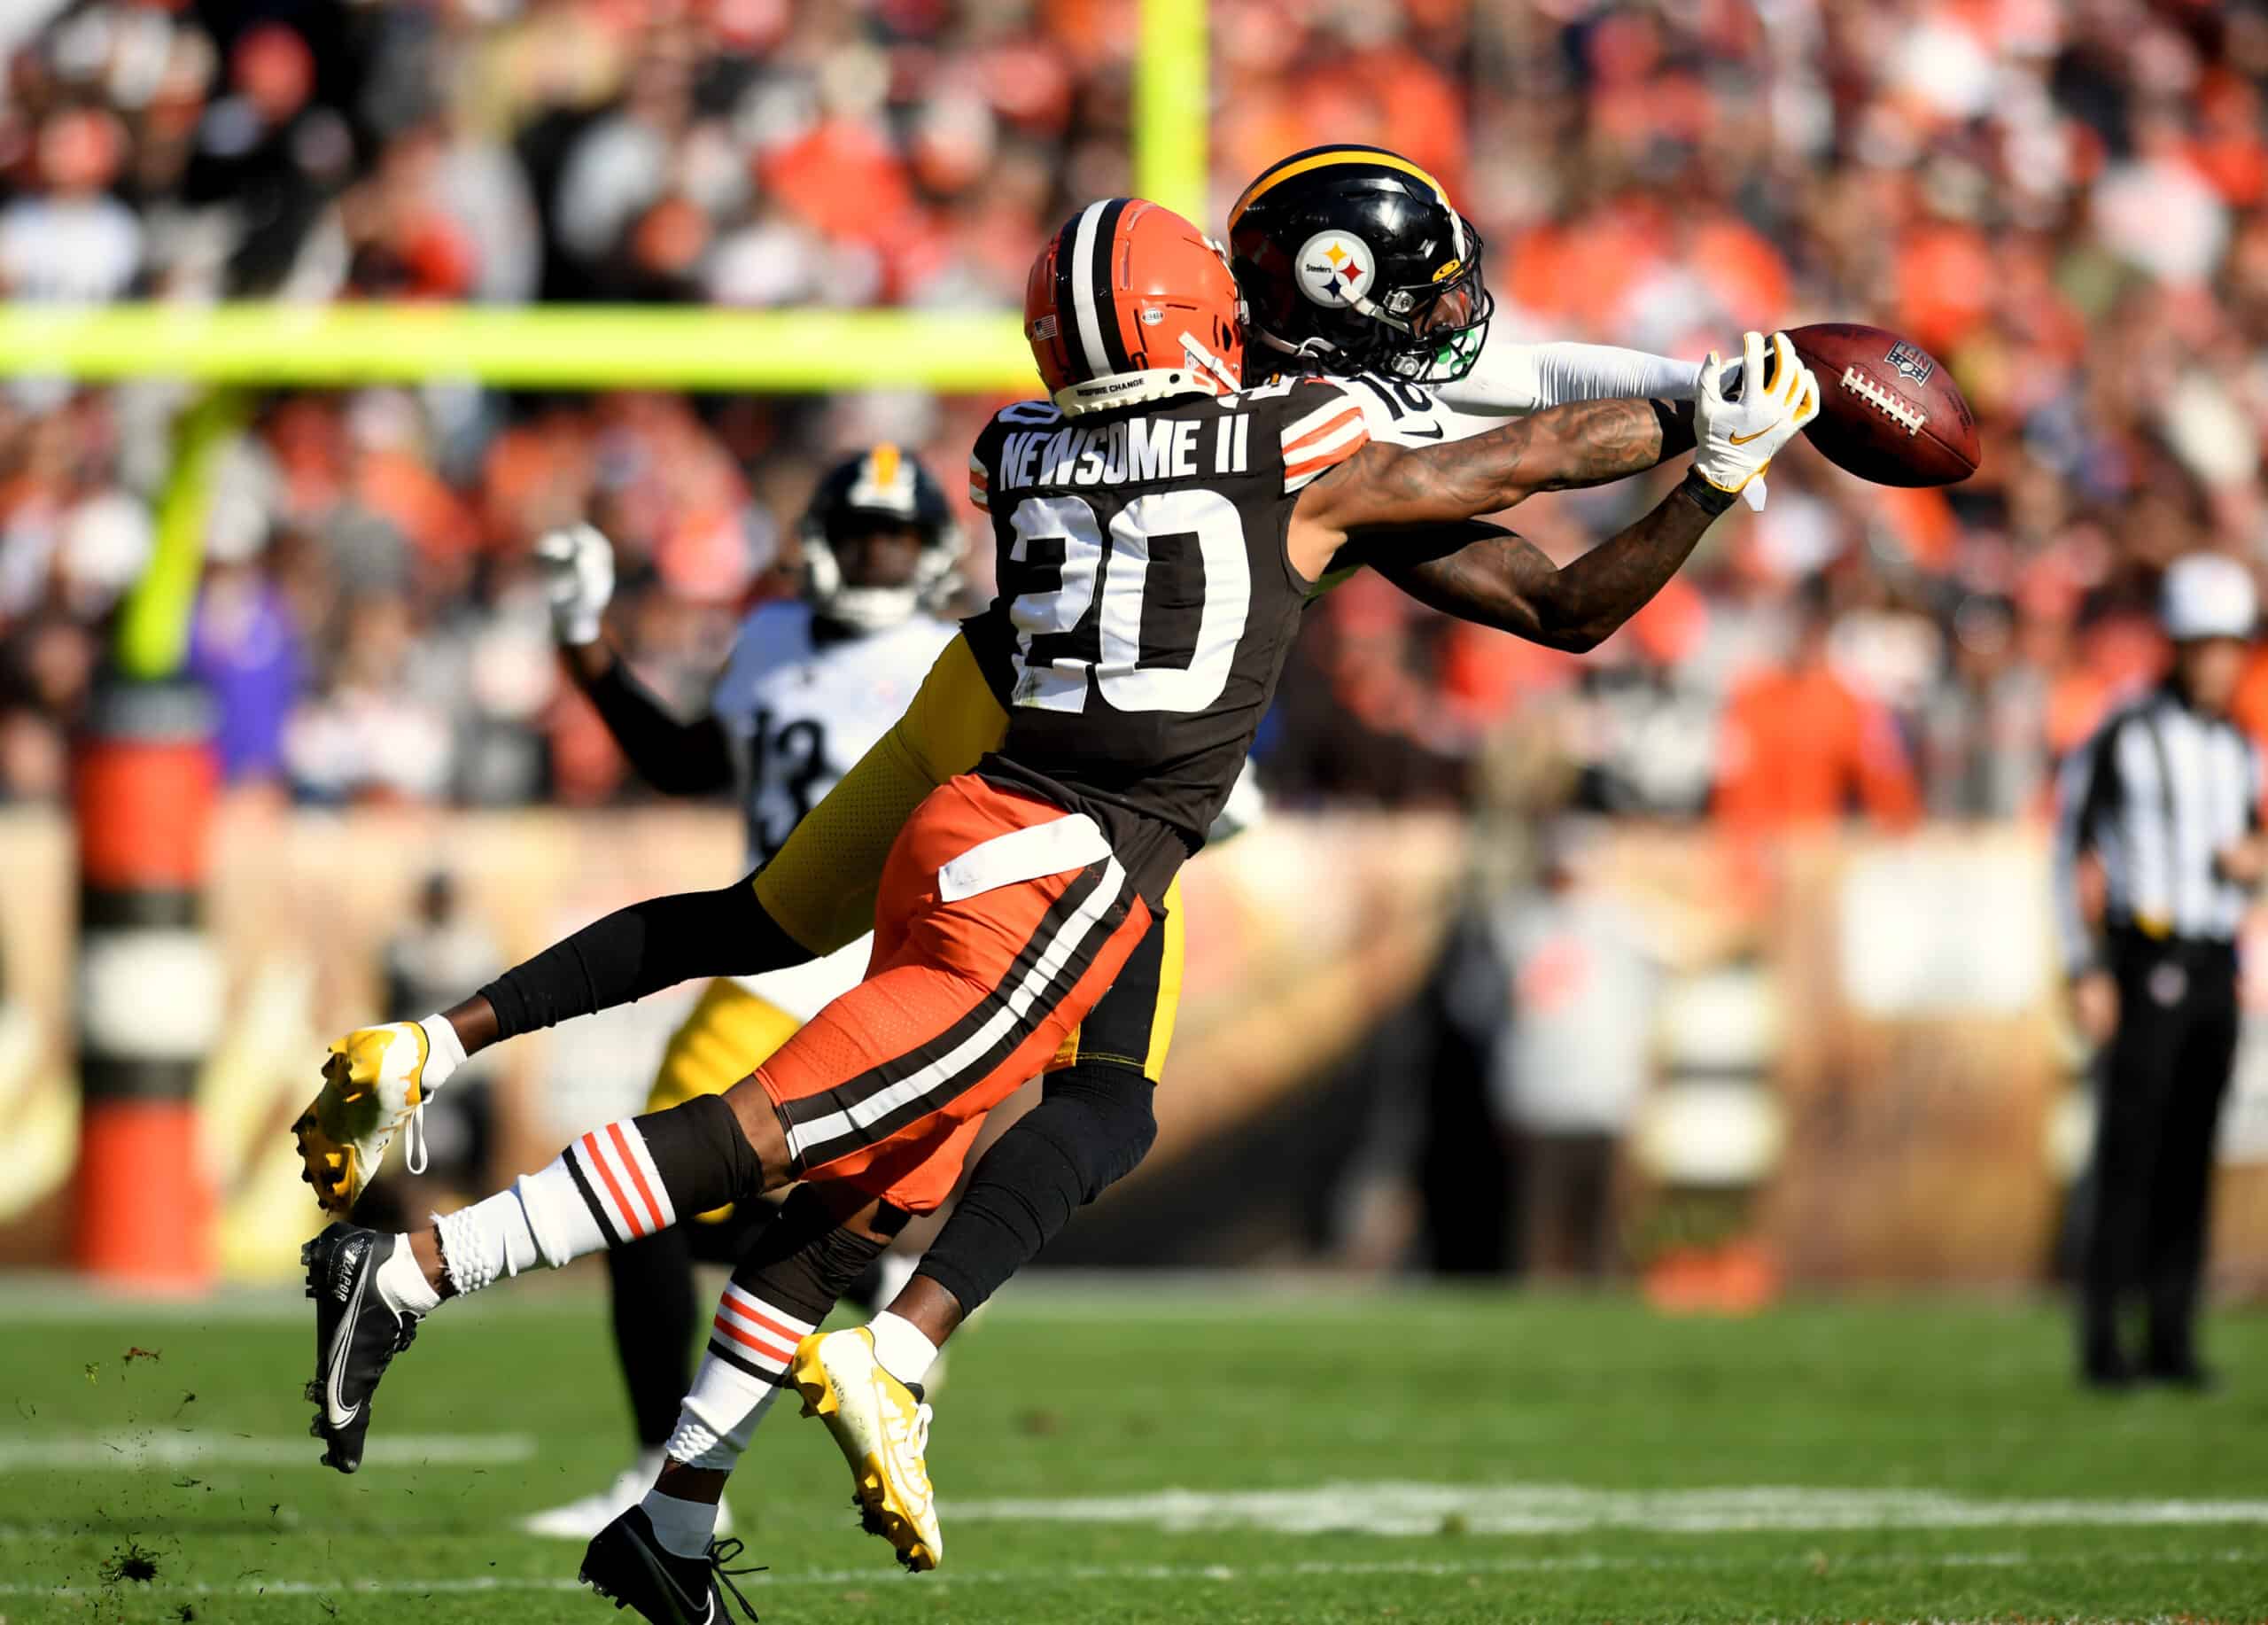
884, 488
1352, 259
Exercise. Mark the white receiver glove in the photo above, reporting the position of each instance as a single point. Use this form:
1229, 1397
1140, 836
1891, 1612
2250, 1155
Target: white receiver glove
1735, 436
577, 564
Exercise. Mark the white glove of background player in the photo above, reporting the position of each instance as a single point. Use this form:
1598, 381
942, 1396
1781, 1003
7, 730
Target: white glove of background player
1736, 438
578, 576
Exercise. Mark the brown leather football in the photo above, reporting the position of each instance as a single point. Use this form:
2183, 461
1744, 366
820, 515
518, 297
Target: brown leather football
1888, 411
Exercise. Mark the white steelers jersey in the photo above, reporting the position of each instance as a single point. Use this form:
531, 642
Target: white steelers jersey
1404, 414
800, 713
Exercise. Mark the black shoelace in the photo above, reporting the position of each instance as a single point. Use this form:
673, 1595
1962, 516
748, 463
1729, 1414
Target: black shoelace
722, 1551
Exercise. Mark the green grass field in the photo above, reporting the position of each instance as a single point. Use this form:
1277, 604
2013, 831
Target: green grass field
1330, 1455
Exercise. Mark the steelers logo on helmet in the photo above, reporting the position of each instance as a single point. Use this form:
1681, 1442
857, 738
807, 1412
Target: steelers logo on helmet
1336, 269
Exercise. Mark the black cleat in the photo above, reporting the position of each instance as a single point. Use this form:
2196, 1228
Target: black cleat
357, 1335
628, 1567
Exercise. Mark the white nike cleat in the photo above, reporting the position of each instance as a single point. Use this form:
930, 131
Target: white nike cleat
377, 1080
582, 1520
882, 1428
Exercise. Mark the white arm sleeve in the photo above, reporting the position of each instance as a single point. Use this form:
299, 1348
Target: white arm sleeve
1513, 378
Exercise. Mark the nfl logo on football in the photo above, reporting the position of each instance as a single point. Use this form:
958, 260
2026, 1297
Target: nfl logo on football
1914, 364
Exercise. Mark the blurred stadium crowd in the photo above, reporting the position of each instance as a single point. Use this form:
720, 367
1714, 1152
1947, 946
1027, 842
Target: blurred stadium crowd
2065, 202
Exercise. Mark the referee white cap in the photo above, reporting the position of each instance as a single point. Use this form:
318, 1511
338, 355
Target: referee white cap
2207, 595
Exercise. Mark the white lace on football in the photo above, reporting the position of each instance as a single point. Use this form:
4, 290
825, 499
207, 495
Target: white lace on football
413, 1148
1908, 418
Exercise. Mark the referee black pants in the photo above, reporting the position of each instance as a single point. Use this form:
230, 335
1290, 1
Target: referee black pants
2160, 1083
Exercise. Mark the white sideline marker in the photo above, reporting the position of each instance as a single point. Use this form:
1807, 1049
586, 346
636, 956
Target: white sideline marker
130, 1451
1418, 1509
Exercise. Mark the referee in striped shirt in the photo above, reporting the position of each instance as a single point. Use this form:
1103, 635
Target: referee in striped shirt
2166, 799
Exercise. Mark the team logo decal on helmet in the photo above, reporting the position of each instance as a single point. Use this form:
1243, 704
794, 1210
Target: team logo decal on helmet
1336, 269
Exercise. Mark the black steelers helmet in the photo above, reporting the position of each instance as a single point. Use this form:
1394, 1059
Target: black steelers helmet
889, 485
1352, 257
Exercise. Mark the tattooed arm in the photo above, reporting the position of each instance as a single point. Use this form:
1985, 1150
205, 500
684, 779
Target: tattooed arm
1485, 574
1383, 486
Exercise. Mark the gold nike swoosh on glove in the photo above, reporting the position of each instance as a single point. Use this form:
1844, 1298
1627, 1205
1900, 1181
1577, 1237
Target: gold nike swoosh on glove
1742, 439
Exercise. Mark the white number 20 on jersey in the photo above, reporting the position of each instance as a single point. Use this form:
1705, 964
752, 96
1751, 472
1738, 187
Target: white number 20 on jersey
1176, 677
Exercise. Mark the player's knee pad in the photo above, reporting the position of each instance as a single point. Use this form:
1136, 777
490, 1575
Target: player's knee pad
703, 1157
1102, 1117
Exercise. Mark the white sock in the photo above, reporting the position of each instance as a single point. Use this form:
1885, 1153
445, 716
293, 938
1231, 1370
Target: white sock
402, 1286
750, 1344
542, 1218
900, 1348
684, 1528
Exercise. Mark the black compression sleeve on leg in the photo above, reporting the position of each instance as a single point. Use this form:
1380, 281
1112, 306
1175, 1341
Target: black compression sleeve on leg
805, 1259
654, 1315
641, 950
1094, 1122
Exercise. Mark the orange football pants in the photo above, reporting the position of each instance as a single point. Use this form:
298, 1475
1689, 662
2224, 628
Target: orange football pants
981, 966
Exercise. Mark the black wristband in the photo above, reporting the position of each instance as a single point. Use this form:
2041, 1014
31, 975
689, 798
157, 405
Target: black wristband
1712, 498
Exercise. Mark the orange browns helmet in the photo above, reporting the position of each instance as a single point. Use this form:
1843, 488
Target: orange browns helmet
1131, 302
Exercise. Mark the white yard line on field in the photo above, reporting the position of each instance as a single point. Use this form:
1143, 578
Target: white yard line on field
1417, 1509
1175, 1573
131, 1451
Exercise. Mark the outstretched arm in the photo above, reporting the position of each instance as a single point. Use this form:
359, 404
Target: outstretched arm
1383, 486
815, 896
1509, 378
632, 952
1486, 574
1588, 443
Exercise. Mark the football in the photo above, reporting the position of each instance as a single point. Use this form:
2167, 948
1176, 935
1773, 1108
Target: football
1889, 413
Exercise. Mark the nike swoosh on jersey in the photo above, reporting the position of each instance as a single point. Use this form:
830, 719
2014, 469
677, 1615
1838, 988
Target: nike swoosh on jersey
341, 1346
1413, 434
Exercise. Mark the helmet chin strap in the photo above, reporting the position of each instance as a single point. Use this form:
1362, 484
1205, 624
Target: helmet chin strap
1366, 306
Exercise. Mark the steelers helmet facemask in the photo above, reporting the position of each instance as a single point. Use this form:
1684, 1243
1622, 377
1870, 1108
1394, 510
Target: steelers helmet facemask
1351, 259
880, 486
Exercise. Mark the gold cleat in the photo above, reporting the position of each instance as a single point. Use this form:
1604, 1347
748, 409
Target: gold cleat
883, 1431
372, 1085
